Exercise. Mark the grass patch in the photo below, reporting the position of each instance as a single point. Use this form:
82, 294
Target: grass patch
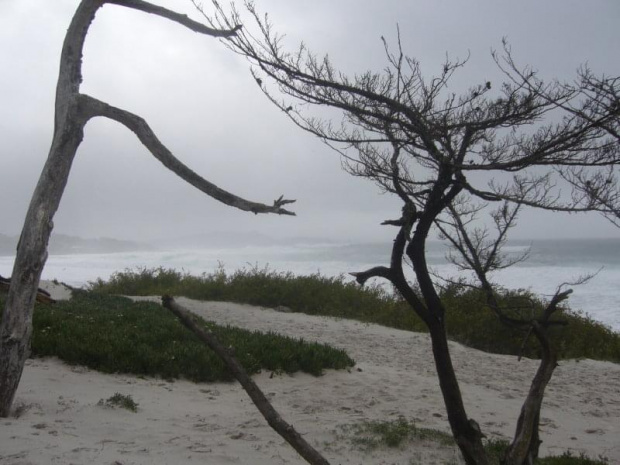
497, 448
398, 433
567, 458
119, 400
116, 335
390, 434
469, 321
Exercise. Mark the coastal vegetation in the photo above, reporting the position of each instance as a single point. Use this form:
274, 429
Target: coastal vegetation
116, 335
372, 435
469, 320
119, 400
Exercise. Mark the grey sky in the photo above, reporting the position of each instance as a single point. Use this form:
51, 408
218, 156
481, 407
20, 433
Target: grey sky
204, 105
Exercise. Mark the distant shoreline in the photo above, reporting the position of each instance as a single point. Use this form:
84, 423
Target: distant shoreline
62, 244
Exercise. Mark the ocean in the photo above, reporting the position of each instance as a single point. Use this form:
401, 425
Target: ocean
550, 264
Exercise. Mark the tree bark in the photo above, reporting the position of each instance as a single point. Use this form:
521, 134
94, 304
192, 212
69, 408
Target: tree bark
290, 435
16, 327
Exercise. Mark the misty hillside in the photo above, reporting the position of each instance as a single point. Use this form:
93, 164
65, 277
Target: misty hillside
61, 244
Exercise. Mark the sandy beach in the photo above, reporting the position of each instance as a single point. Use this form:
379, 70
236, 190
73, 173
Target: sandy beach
59, 420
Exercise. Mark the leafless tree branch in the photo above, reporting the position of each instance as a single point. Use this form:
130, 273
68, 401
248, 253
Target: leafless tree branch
275, 420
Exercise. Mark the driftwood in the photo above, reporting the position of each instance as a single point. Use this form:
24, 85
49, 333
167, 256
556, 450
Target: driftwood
290, 435
42, 295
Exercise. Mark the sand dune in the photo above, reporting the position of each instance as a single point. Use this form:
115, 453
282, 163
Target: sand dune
186, 423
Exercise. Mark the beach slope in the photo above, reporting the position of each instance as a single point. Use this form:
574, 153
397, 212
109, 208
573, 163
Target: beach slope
59, 418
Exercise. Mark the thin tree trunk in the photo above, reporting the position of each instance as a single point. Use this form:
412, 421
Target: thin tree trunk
465, 431
16, 326
290, 435
526, 442
524, 447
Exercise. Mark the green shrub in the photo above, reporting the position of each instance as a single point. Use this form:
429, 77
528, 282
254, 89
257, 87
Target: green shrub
121, 401
496, 450
567, 458
116, 335
468, 319
314, 294
470, 322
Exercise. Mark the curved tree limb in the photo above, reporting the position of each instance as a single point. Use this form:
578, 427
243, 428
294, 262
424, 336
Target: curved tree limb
394, 273
136, 124
376, 272
183, 20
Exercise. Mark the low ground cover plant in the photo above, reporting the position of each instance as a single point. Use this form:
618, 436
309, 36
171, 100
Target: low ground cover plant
469, 321
397, 433
113, 334
119, 400
370, 435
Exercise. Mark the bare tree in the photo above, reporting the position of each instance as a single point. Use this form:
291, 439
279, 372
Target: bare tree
600, 103
73, 110
595, 100
446, 156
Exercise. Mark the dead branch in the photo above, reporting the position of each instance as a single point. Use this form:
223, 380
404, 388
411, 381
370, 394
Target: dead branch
42, 295
290, 435
93, 107
376, 272
183, 20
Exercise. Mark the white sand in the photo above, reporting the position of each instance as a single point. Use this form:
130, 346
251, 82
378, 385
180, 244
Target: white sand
57, 290
185, 423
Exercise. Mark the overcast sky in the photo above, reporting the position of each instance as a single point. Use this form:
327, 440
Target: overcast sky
204, 105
